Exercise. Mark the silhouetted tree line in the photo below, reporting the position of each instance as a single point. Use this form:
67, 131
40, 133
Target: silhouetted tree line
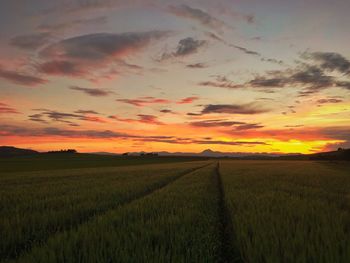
64, 151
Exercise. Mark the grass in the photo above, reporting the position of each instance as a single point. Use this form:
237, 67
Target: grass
238, 211
40, 162
289, 211
178, 223
35, 205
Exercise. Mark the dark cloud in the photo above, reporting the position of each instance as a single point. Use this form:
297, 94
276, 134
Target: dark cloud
6, 109
215, 123
30, 42
249, 126
249, 108
272, 60
61, 68
21, 78
338, 133
343, 84
197, 65
193, 114
330, 61
85, 55
238, 125
91, 91
186, 46
197, 15
220, 82
267, 82
143, 101
100, 46
305, 93
149, 119
142, 118
329, 100
9, 130
46, 116
37, 118
87, 112
309, 74
167, 111
245, 50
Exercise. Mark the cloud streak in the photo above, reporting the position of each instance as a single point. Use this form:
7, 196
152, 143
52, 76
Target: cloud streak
91, 91
185, 47
198, 15
21, 78
30, 42
248, 108
80, 56
6, 109
144, 101
47, 116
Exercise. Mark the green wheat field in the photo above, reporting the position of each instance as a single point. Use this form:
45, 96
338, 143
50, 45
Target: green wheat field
105, 209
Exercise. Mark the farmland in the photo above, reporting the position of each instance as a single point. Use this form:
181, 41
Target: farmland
175, 210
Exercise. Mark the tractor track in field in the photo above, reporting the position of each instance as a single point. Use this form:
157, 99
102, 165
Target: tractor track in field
28, 246
229, 251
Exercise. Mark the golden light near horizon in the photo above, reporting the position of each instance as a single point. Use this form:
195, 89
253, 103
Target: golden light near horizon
230, 76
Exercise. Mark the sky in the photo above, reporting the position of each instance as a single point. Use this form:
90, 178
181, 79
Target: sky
251, 76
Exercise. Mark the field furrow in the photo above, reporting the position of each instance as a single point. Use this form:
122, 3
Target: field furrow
229, 249
177, 223
31, 213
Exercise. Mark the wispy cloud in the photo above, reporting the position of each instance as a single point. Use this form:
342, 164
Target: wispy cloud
186, 46
197, 65
6, 109
31, 41
238, 125
143, 101
188, 100
248, 108
91, 91
329, 100
21, 78
198, 15
142, 118
80, 56
310, 75
47, 116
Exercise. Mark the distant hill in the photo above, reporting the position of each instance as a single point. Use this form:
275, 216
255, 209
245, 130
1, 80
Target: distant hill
340, 154
103, 153
218, 154
8, 151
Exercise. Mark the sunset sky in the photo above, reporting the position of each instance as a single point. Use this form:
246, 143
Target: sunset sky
228, 75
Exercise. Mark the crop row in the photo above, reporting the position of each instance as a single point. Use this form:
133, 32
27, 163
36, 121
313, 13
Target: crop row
289, 211
37, 205
177, 223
